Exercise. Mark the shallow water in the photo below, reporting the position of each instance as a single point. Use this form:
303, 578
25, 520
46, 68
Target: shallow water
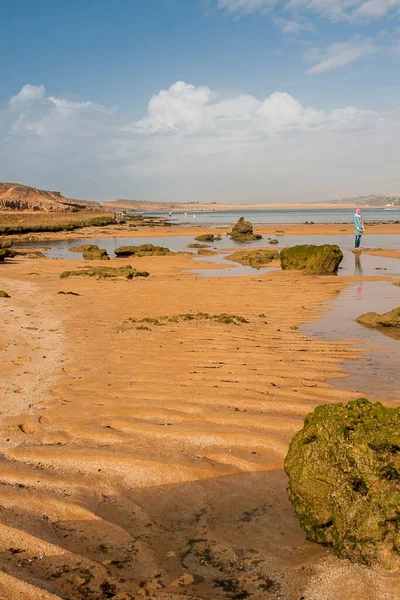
377, 372
330, 215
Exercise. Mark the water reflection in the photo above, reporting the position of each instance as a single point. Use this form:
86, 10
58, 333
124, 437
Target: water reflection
376, 373
357, 264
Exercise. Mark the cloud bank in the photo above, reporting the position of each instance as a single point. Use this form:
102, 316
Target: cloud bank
196, 144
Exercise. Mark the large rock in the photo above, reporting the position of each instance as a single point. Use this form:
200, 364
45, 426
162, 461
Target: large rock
6, 253
319, 260
243, 232
388, 319
344, 480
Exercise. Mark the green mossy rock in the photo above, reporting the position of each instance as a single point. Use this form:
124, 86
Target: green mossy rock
4, 294
319, 260
273, 241
254, 258
243, 232
98, 254
143, 250
198, 246
204, 252
388, 319
208, 237
126, 272
344, 480
224, 318
6, 253
84, 248
5, 244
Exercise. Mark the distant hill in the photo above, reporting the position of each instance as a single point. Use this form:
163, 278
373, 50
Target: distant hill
146, 206
16, 196
373, 200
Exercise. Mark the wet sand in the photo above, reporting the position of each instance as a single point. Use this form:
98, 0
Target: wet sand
148, 463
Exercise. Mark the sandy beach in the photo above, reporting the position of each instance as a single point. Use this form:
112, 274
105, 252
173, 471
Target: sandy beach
146, 461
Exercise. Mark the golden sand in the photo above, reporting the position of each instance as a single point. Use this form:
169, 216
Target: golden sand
147, 463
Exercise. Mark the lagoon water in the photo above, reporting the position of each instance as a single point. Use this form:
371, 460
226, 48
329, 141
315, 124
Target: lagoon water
280, 217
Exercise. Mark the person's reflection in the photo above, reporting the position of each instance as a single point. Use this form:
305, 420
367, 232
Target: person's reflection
357, 264
358, 271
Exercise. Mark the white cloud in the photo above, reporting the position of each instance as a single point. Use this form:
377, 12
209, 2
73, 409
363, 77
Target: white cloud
28, 93
339, 55
294, 26
246, 7
334, 10
195, 143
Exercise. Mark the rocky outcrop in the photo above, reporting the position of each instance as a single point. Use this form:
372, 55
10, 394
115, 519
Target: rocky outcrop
84, 248
97, 254
4, 294
243, 232
143, 250
18, 197
6, 253
374, 320
126, 272
208, 237
319, 260
254, 258
344, 480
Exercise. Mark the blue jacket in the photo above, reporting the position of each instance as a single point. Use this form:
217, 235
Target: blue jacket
358, 224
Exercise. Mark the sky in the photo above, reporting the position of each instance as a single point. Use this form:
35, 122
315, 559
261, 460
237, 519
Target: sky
255, 101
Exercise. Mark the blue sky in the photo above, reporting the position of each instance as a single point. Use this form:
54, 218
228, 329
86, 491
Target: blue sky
220, 100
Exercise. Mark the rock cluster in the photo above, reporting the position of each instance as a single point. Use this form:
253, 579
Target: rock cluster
126, 272
344, 480
243, 232
143, 250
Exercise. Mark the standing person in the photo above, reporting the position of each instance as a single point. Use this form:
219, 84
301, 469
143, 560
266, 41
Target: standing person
358, 227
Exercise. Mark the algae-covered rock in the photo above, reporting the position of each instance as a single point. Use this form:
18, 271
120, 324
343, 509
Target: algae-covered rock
5, 243
6, 253
98, 254
143, 250
254, 258
344, 480
30, 253
274, 241
208, 237
204, 252
198, 246
374, 320
84, 248
4, 294
225, 318
126, 272
243, 232
320, 260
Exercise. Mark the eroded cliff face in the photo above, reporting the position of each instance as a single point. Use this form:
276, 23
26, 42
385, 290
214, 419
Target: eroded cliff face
15, 196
